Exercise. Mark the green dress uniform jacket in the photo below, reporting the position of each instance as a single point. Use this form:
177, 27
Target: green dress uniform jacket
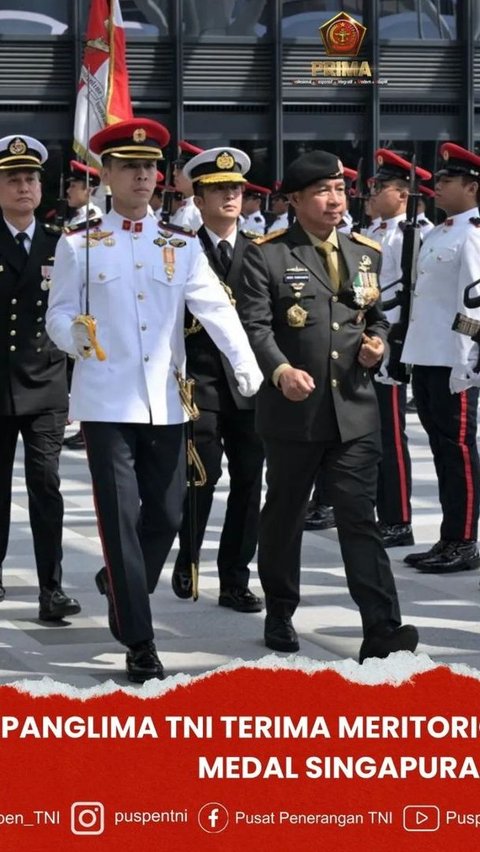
293, 314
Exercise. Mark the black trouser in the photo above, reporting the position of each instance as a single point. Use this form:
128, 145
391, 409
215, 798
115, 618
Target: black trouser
139, 481
349, 471
42, 436
450, 421
234, 434
394, 491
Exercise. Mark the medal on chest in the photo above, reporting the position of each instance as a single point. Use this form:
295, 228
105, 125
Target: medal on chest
169, 262
297, 316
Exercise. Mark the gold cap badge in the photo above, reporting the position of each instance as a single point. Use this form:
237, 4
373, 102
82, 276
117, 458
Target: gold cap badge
17, 147
139, 135
445, 155
225, 161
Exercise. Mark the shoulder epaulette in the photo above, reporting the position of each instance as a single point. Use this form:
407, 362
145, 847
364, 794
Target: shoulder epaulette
475, 220
53, 230
265, 238
365, 241
69, 230
177, 229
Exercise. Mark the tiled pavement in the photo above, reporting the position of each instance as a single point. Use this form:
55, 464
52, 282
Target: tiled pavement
194, 638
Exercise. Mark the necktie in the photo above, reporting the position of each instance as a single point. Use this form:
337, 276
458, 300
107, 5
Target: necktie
225, 254
326, 250
20, 241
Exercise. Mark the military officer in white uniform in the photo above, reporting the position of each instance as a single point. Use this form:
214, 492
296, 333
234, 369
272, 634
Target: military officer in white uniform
78, 192
141, 278
188, 215
252, 218
445, 385
391, 191
279, 207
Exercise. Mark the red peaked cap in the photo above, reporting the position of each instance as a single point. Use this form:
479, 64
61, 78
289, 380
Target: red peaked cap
79, 171
186, 151
391, 165
458, 161
350, 174
425, 190
160, 179
255, 189
136, 138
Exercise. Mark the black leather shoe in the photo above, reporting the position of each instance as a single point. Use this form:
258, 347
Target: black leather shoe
55, 605
280, 634
241, 600
456, 556
319, 518
103, 586
396, 535
2, 592
142, 663
182, 582
384, 640
74, 442
411, 406
416, 558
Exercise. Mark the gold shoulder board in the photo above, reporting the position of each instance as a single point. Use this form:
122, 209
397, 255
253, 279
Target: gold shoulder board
271, 236
178, 229
365, 241
69, 230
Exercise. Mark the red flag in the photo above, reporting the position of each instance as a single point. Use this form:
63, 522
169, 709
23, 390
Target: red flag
103, 93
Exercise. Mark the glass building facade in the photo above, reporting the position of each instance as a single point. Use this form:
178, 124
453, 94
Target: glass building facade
238, 72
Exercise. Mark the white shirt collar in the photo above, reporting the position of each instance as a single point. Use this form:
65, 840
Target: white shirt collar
216, 239
394, 221
14, 230
462, 218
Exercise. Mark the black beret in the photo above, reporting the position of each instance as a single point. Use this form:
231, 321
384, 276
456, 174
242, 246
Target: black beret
308, 168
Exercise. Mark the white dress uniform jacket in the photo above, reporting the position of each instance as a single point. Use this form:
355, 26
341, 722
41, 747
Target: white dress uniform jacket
390, 236
81, 214
449, 260
140, 318
255, 222
188, 215
279, 223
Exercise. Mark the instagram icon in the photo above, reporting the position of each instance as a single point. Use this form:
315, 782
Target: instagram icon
87, 818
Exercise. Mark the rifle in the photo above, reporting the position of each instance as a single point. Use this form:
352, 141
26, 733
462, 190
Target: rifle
467, 325
357, 207
403, 297
62, 204
194, 465
167, 194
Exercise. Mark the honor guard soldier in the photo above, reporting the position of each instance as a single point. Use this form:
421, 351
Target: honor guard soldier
444, 384
33, 377
252, 218
78, 192
279, 208
227, 420
391, 191
308, 303
138, 277
187, 215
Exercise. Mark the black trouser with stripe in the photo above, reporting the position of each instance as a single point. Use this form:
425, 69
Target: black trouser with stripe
231, 432
139, 481
395, 472
42, 440
349, 473
450, 421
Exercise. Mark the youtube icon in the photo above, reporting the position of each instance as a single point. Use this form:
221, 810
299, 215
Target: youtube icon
421, 818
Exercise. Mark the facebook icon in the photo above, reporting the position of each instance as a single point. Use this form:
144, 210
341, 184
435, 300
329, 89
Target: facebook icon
213, 818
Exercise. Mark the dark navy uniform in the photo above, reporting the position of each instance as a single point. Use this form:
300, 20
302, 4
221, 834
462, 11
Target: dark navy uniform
33, 396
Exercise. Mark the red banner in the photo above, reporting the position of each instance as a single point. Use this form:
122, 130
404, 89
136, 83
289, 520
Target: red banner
250, 757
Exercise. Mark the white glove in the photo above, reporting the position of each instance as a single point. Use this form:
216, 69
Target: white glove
81, 340
249, 378
468, 379
382, 376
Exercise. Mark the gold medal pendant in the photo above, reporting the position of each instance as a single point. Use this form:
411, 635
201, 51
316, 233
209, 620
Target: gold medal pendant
297, 316
109, 241
169, 262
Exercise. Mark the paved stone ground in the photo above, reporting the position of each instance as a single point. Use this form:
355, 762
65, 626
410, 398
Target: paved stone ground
194, 638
